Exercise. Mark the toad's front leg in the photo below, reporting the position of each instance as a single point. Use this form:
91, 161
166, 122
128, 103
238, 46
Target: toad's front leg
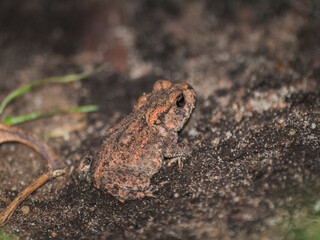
173, 150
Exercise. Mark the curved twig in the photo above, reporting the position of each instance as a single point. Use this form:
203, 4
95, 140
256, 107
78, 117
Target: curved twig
13, 134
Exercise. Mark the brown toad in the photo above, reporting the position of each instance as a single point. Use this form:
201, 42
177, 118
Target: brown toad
133, 151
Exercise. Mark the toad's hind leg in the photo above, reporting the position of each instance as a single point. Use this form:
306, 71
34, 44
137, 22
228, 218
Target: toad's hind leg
125, 184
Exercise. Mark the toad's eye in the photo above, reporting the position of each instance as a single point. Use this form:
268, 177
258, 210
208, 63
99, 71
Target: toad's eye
180, 101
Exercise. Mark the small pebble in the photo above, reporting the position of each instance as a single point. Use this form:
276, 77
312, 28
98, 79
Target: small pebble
215, 142
313, 125
292, 132
193, 132
25, 210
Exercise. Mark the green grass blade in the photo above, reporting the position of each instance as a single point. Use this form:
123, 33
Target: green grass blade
60, 79
20, 119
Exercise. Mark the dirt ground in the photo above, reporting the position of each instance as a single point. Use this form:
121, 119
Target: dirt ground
255, 132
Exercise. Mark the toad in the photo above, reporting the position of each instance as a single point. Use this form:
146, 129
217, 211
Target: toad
133, 150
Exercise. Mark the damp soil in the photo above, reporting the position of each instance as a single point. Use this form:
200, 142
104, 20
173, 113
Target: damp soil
255, 132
